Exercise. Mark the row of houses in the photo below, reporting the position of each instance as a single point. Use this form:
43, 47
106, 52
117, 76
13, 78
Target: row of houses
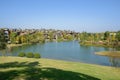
20, 32
7, 33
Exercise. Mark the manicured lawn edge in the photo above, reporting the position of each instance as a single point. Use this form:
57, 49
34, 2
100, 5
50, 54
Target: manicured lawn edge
96, 72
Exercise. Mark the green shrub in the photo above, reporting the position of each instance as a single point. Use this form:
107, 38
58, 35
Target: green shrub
30, 55
21, 54
37, 55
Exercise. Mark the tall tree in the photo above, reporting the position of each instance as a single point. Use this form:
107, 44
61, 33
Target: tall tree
2, 40
13, 36
106, 35
118, 36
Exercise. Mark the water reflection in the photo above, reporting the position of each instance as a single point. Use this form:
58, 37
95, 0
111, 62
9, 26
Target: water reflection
6, 52
3, 52
114, 61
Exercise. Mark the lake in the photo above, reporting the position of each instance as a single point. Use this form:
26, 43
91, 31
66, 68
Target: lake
68, 51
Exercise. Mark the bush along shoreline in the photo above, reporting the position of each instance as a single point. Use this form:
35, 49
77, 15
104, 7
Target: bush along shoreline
29, 55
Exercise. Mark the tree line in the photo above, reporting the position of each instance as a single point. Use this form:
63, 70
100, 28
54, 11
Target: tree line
40, 37
109, 39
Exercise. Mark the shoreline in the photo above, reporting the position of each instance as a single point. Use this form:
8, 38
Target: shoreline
71, 70
17, 45
109, 53
98, 44
57, 60
66, 61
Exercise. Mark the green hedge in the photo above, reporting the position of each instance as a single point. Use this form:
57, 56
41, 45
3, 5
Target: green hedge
30, 55
37, 55
21, 54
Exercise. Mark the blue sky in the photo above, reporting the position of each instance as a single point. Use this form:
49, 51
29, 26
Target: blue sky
76, 15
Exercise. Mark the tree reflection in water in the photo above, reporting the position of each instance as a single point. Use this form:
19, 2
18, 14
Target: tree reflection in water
114, 61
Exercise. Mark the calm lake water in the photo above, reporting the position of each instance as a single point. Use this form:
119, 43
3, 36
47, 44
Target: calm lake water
69, 51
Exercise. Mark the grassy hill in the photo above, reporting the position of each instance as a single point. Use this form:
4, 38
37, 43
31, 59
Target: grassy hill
17, 68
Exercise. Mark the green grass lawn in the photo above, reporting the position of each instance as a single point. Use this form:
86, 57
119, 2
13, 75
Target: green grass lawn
16, 68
